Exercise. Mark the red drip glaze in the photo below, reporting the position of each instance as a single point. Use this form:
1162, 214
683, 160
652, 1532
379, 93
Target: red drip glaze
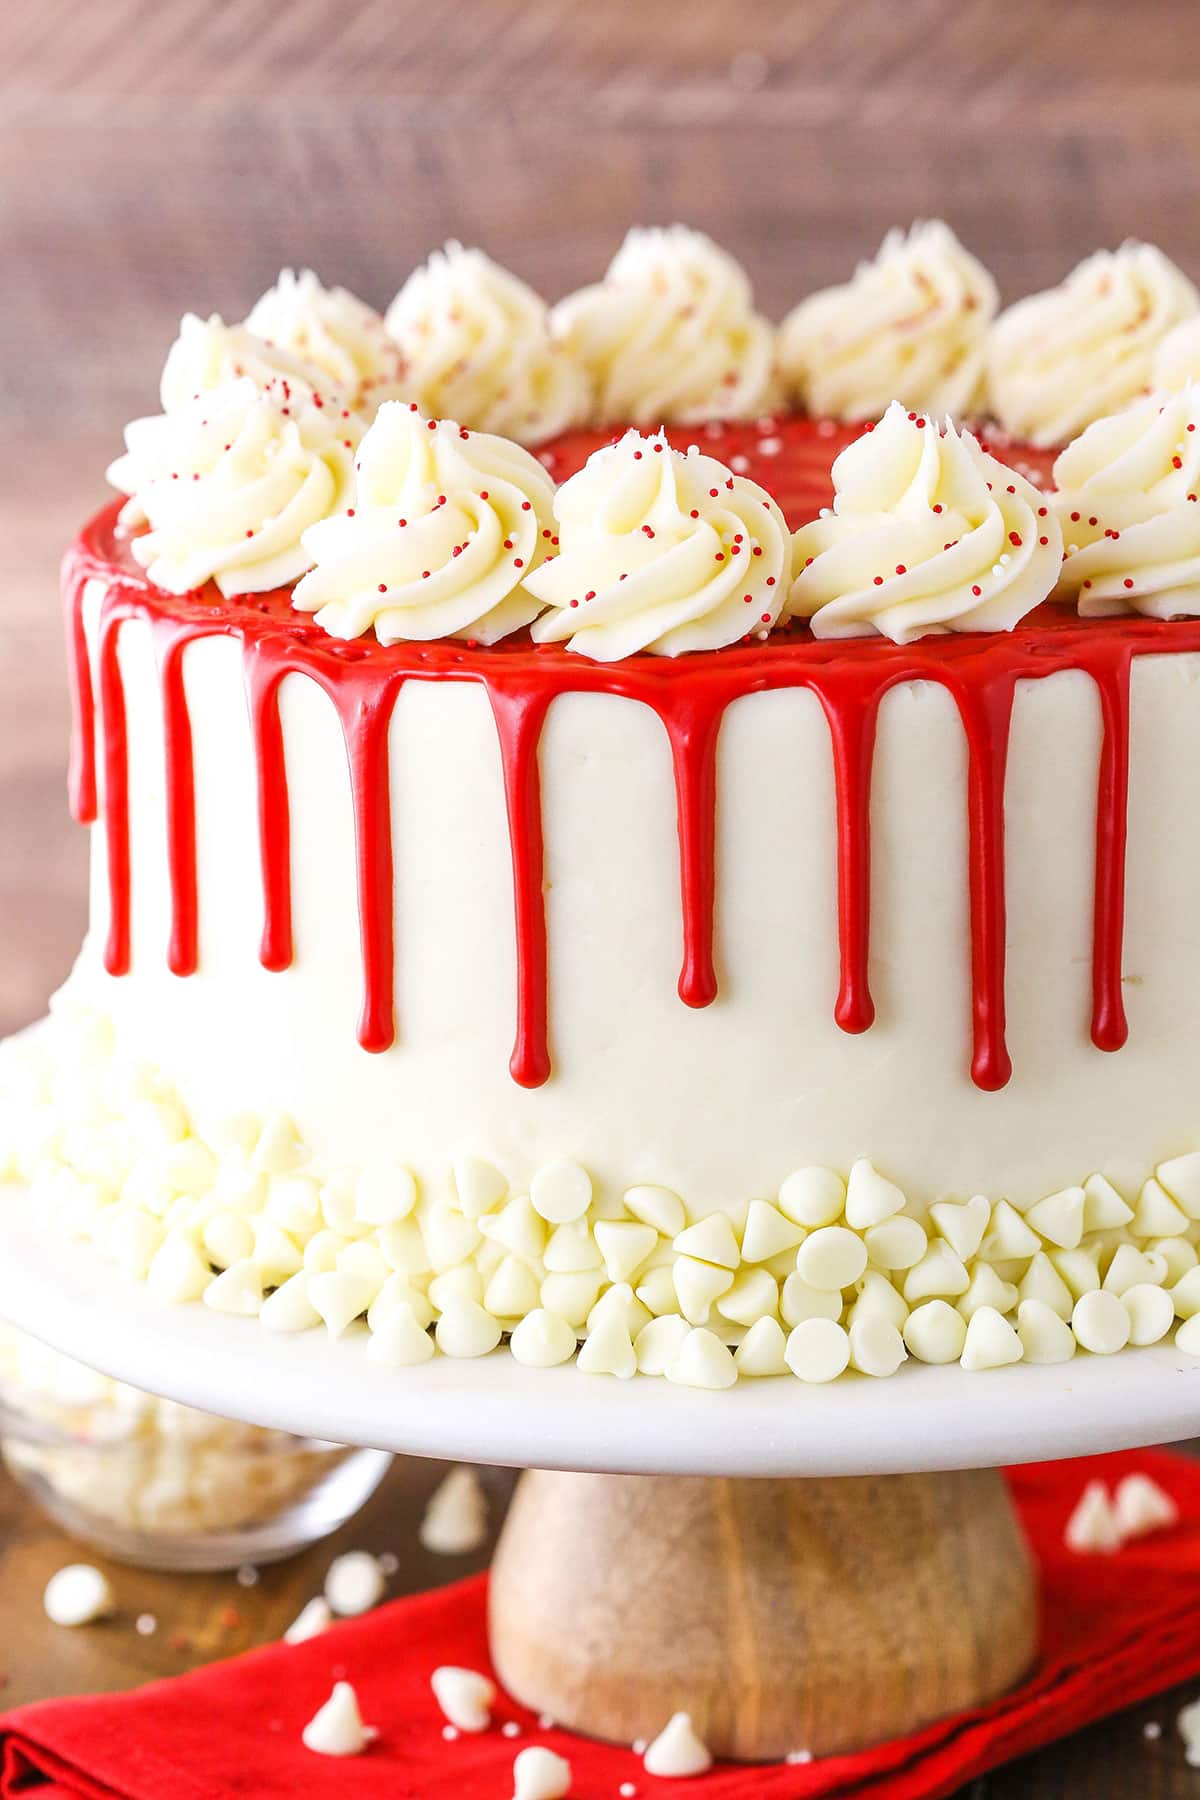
181, 796
689, 694
274, 817
520, 715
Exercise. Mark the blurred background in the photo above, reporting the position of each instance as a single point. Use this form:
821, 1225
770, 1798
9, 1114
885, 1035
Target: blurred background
160, 155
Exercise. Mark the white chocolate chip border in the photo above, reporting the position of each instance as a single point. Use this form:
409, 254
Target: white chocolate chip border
832, 1273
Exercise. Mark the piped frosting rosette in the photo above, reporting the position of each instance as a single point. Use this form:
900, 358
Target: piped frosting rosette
208, 353
1128, 502
928, 533
228, 484
477, 347
912, 325
1077, 352
1177, 359
661, 551
334, 331
447, 526
670, 334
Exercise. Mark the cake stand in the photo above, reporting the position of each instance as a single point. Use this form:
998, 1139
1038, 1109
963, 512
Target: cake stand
871, 1579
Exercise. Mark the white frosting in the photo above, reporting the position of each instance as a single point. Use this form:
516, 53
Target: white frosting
477, 347
1127, 500
670, 334
911, 326
445, 528
1059, 359
661, 551
229, 483
333, 330
928, 533
1177, 359
208, 353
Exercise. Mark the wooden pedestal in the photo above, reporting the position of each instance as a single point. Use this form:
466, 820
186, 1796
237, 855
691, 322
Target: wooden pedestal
782, 1615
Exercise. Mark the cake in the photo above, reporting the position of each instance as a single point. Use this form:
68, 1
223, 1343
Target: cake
711, 889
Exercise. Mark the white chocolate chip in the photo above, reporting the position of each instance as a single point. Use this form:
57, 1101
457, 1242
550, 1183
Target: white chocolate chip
813, 1197
455, 1522
935, 1332
354, 1583
619, 1304
940, 1274
608, 1349
479, 1185
990, 1341
1078, 1269
384, 1193
698, 1284
1059, 1217
870, 1199
236, 1290
1187, 1338
336, 1729
897, 1243
1134, 1268
1180, 1177
572, 1297
399, 1341
312, 1619
1151, 1312
571, 1249
449, 1238
677, 1750
987, 1289
659, 1343
877, 1298
1142, 1507
539, 1774
1008, 1238
711, 1240
464, 1329
561, 1191
703, 1362
1092, 1527
817, 1350
465, 1696
542, 1339
1156, 1214
340, 1298
831, 1258
768, 1233
762, 1350
513, 1290
398, 1291
1045, 1335
518, 1228
177, 1270
754, 1294
1103, 1207
1042, 1281
657, 1206
289, 1307
963, 1225
78, 1595
876, 1347
799, 1301
624, 1245
1100, 1323
278, 1148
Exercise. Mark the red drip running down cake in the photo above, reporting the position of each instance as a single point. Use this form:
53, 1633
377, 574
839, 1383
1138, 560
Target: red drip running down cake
725, 910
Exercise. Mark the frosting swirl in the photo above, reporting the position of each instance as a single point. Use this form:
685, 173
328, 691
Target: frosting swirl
1177, 359
912, 326
1060, 359
208, 353
335, 332
928, 533
446, 526
1130, 515
670, 334
477, 347
661, 551
228, 485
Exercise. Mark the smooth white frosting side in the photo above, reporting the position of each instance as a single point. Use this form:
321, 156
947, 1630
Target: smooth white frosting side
228, 485
445, 527
911, 325
477, 347
1062, 358
1127, 502
1177, 359
335, 331
928, 533
670, 335
661, 551
207, 353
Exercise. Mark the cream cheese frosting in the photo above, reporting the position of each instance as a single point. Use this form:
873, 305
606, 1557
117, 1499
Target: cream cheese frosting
928, 533
662, 551
477, 347
1177, 359
208, 353
228, 484
670, 335
335, 331
1060, 359
911, 325
446, 526
1127, 501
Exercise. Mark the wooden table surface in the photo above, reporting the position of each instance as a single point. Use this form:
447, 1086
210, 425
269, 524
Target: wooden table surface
157, 155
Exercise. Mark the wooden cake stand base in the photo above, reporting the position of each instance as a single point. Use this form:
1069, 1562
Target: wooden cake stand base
783, 1615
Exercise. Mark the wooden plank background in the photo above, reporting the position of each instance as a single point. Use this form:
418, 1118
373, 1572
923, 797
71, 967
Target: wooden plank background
157, 155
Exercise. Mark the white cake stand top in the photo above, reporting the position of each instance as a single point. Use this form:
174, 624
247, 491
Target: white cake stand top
494, 1411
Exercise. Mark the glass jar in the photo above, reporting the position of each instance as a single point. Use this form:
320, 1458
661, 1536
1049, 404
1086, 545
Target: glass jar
161, 1485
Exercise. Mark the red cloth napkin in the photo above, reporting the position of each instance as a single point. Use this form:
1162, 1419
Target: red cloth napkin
1115, 1630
